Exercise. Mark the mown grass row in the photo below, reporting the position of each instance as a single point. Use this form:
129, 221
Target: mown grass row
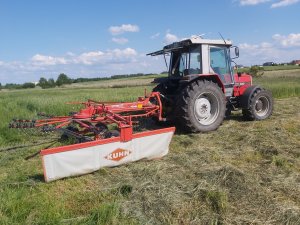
37, 203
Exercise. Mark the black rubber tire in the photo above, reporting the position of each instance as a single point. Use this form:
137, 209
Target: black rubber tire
101, 127
186, 106
65, 136
113, 133
259, 98
160, 88
228, 111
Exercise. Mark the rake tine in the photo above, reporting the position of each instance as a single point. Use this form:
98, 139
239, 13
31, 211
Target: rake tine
38, 152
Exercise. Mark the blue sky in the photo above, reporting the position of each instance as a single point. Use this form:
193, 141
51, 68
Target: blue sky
100, 38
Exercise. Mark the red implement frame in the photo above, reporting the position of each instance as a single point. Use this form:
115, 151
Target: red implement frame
124, 114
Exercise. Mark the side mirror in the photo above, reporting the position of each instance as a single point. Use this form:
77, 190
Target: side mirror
237, 52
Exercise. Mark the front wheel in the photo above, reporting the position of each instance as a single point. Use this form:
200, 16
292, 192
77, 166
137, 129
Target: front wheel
260, 105
201, 107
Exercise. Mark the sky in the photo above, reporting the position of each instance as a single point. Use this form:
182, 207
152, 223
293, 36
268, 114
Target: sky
91, 38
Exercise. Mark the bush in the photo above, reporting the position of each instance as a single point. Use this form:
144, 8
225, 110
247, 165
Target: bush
12, 86
63, 79
28, 85
256, 71
51, 83
44, 83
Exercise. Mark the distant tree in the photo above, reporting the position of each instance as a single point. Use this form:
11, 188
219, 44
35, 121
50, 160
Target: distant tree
28, 85
43, 83
51, 83
63, 79
12, 86
256, 71
164, 72
0, 86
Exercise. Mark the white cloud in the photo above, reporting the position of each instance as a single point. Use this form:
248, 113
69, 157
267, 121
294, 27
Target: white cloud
89, 58
120, 41
283, 3
110, 56
252, 2
70, 54
127, 52
279, 50
154, 36
291, 40
116, 30
251, 54
47, 60
266, 45
277, 4
170, 38
86, 64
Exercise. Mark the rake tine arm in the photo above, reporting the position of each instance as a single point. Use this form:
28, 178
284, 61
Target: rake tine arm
44, 123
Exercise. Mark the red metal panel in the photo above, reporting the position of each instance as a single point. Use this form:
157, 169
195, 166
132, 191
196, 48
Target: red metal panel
242, 82
126, 133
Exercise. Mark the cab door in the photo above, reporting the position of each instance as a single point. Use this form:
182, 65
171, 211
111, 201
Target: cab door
220, 64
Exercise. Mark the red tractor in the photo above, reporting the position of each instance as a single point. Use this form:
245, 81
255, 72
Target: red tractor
201, 87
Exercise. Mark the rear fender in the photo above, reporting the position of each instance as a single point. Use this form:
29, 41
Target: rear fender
214, 78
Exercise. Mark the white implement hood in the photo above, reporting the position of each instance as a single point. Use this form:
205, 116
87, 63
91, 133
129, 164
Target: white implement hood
78, 159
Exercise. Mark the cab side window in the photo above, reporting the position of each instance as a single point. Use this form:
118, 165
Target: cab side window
186, 62
219, 63
195, 61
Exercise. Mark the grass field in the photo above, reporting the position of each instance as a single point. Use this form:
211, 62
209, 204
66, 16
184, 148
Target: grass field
286, 67
243, 173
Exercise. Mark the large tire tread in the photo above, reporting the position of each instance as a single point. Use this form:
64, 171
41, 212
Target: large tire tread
183, 119
249, 113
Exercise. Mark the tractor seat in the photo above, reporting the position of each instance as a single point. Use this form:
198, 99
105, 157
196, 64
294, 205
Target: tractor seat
191, 71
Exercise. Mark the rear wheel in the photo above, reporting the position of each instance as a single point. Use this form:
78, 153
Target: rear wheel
201, 107
260, 105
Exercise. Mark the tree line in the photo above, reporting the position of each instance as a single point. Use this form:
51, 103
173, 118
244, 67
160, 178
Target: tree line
63, 79
50, 83
43, 83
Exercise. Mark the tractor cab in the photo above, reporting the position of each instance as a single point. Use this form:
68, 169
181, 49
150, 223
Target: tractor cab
196, 57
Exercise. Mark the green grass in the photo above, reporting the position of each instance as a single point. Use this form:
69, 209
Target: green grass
281, 87
286, 67
243, 173
274, 68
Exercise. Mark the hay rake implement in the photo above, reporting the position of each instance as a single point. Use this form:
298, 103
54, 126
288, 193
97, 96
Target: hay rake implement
104, 136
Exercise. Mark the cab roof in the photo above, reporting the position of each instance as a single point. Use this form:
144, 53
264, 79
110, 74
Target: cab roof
190, 41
